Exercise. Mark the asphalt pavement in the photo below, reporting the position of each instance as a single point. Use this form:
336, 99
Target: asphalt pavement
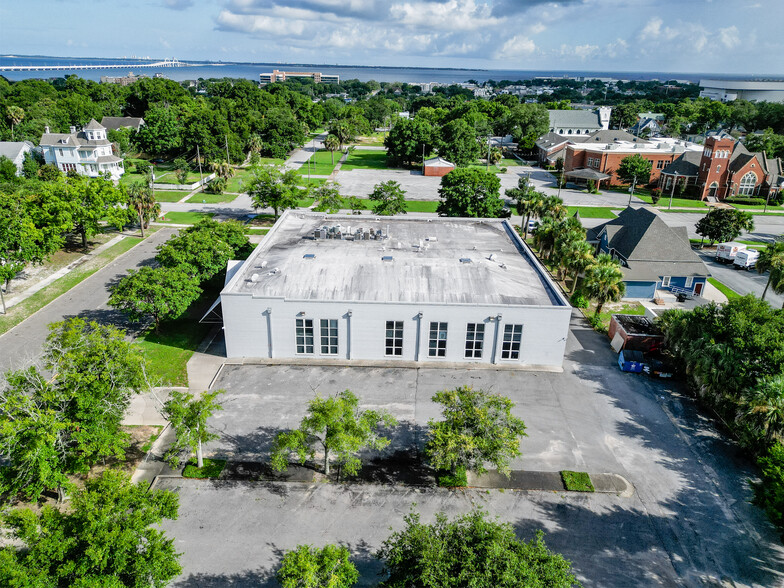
21, 346
742, 281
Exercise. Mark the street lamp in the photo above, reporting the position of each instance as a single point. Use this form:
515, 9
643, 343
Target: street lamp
631, 190
674, 183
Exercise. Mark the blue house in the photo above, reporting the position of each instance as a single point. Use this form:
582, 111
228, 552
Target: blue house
653, 256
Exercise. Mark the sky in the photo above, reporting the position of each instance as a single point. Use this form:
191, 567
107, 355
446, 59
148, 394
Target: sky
705, 36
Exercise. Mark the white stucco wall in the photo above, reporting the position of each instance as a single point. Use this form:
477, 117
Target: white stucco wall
247, 328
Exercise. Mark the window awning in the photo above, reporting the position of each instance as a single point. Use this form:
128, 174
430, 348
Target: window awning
587, 174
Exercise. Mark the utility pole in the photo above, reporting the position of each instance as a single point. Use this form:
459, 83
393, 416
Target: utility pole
423, 159
227, 149
487, 168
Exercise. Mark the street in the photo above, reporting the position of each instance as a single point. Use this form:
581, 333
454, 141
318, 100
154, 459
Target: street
21, 346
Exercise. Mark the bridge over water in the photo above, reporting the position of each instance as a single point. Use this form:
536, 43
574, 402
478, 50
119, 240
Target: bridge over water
164, 63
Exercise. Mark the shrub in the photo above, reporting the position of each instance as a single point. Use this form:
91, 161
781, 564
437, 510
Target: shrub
769, 491
596, 323
579, 300
216, 186
457, 480
749, 201
503, 170
576, 481
655, 195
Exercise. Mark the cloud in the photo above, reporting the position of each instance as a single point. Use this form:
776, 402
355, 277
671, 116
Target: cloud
515, 47
729, 37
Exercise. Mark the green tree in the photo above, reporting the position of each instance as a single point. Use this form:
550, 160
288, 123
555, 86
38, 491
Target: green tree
198, 254
388, 199
410, 140
604, 281
109, 538
764, 407
328, 198
724, 224
161, 134
92, 200
270, 187
771, 259
477, 428
634, 169
141, 200
311, 567
231, 232
526, 123
355, 204
567, 244
339, 427
223, 169
577, 258
470, 192
7, 169
553, 207
161, 293
332, 144
181, 170
469, 551
62, 424
188, 417
458, 143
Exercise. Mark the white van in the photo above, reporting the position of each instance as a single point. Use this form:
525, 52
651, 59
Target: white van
746, 259
726, 252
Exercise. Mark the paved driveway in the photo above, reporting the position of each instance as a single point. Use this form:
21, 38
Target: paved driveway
742, 281
688, 521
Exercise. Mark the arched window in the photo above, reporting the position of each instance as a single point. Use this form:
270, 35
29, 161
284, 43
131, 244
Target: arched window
747, 184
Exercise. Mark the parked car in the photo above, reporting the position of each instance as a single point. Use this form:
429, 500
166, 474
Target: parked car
746, 259
532, 225
726, 252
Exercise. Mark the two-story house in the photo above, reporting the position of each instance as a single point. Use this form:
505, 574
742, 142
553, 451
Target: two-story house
87, 152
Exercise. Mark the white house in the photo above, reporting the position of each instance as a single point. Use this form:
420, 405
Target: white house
15, 151
444, 290
87, 152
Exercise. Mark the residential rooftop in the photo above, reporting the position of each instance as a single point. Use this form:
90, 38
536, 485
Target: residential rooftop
313, 256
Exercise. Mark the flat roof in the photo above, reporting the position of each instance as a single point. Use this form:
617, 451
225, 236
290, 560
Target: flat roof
419, 260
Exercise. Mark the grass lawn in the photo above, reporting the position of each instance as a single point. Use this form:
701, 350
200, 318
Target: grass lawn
255, 231
314, 182
184, 218
664, 202
592, 211
320, 164
168, 352
365, 159
506, 162
726, 290
492, 169
755, 207
170, 195
375, 140
239, 182
24, 309
170, 177
421, 206
148, 445
604, 317
576, 481
212, 469
203, 197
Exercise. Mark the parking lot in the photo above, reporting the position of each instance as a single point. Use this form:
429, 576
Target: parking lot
688, 521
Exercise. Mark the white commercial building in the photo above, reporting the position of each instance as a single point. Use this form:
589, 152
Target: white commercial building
332, 287
87, 152
729, 90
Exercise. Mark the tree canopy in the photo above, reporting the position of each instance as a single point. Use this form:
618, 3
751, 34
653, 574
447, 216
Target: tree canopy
471, 550
270, 187
311, 567
470, 192
339, 427
388, 199
724, 224
107, 538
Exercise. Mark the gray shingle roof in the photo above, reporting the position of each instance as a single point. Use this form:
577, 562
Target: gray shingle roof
93, 125
571, 119
73, 140
687, 164
650, 247
117, 122
11, 149
610, 136
550, 140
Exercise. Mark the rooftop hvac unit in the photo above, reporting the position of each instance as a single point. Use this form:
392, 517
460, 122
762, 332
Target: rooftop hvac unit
309, 256
387, 258
254, 278
465, 260
274, 271
492, 257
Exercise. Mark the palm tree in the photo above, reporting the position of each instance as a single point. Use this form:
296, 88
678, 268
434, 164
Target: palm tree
765, 406
15, 115
254, 144
579, 258
772, 259
142, 200
604, 281
562, 249
554, 208
332, 144
223, 169
544, 235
